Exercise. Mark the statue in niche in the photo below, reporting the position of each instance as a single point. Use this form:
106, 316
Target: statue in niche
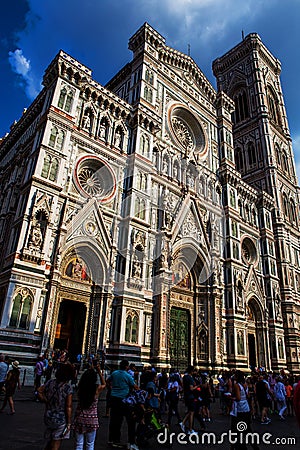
277, 309
165, 166
190, 180
175, 171
102, 132
136, 267
166, 256
86, 122
36, 236
239, 294
240, 343
118, 139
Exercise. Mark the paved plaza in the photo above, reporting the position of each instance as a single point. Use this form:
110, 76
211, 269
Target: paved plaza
24, 430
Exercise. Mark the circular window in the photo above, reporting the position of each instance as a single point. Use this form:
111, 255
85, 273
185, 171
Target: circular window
249, 253
185, 129
94, 178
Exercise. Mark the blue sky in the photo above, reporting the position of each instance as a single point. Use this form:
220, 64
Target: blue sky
96, 32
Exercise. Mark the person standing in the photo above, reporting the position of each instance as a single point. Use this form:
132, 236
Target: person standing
11, 383
173, 399
122, 383
263, 395
86, 421
280, 395
241, 412
189, 386
57, 394
38, 372
3, 371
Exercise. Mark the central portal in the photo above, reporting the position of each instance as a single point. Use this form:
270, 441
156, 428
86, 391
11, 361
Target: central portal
179, 338
70, 327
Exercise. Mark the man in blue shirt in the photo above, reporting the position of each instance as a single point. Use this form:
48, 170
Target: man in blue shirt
3, 371
122, 383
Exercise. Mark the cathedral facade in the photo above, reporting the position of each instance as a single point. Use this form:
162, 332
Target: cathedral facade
155, 218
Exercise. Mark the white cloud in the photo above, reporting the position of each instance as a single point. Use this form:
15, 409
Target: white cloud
21, 66
217, 15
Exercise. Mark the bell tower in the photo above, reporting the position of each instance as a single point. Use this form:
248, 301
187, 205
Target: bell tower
263, 153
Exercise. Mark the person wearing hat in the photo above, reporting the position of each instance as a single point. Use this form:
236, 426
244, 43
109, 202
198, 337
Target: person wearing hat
11, 383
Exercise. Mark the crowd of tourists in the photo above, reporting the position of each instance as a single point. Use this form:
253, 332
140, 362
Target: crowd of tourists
132, 393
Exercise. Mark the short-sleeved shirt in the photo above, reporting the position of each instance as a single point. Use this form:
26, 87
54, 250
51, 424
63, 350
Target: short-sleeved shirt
121, 383
188, 381
3, 371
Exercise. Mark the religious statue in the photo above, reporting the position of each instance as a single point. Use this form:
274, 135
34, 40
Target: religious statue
136, 267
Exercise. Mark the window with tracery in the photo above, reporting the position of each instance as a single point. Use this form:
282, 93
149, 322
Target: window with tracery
293, 215
141, 181
239, 159
131, 328
285, 205
252, 159
56, 138
148, 94
21, 311
149, 76
50, 167
241, 106
273, 103
140, 208
144, 145
66, 98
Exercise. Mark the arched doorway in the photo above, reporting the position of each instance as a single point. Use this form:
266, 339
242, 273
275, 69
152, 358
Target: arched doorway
180, 332
255, 346
70, 327
189, 316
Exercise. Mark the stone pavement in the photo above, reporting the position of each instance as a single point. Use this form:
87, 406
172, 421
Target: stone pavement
24, 430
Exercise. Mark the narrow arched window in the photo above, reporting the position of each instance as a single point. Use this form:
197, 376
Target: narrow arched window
278, 155
241, 106
60, 140
137, 207
46, 166
284, 162
20, 315
251, 154
293, 215
53, 169
131, 328
238, 159
53, 136
142, 213
69, 102
149, 76
134, 330
285, 205
62, 98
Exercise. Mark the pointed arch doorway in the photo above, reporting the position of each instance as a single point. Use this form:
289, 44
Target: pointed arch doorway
180, 332
255, 336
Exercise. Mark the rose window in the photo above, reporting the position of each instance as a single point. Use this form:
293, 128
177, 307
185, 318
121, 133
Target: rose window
183, 133
186, 130
94, 178
249, 253
91, 181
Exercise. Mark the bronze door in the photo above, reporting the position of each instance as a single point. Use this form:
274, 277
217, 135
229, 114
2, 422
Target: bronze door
179, 338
